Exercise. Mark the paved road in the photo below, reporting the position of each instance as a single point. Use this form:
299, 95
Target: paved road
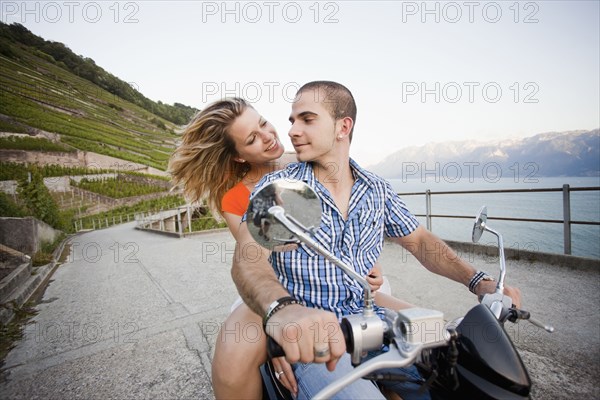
134, 314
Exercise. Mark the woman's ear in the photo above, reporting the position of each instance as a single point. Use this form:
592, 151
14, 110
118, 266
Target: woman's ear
240, 160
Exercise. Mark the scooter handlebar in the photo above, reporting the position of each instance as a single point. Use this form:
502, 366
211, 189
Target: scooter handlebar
516, 314
274, 349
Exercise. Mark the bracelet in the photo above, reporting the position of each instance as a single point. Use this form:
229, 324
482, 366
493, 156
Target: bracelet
477, 278
278, 305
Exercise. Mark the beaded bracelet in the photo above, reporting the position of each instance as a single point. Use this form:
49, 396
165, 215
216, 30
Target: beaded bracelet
278, 305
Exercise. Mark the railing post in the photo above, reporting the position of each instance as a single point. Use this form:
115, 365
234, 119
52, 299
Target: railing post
567, 218
179, 226
428, 209
189, 218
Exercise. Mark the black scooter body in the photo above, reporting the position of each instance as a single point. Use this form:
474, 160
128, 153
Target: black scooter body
489, 366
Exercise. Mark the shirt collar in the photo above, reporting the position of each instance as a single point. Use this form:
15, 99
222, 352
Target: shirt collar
306, 173
361, 173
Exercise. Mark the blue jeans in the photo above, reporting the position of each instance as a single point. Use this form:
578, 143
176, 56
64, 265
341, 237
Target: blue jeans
312, 378
406, 390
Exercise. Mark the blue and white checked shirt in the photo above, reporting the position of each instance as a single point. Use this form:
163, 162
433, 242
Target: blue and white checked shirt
374, 210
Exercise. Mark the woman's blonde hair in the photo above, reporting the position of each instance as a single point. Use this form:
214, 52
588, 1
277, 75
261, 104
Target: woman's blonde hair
203, 164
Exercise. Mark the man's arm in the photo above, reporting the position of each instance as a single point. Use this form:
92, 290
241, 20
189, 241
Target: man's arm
439, 258
299, 330
253, 275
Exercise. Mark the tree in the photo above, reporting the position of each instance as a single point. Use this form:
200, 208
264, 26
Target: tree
38, 200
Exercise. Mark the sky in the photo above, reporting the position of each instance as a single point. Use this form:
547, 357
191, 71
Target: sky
420, 72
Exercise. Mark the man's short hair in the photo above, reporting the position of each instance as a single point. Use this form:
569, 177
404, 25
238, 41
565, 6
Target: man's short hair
336, 98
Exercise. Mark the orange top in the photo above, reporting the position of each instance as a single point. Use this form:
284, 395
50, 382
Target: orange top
236, 200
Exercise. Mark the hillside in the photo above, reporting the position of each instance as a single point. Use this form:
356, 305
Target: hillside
575, 153
41, 95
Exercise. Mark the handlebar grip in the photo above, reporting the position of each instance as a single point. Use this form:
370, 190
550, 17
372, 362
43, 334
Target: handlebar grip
515, 314
348, 337
274, 349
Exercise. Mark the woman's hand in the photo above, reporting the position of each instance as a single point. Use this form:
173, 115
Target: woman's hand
285, 374
375, 278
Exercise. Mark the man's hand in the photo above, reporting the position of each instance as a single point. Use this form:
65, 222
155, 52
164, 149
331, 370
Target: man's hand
485, 287
307, 335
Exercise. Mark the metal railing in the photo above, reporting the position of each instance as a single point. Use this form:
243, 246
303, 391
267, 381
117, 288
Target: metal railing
566, 200
107, 218
181, 220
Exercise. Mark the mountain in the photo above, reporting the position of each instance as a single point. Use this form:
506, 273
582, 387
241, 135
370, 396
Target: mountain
573, 153
48, 91
87, 69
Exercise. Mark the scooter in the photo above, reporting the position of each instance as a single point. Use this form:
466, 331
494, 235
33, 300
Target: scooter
471, 357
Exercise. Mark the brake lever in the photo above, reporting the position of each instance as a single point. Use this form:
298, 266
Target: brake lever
516, 314
539, 324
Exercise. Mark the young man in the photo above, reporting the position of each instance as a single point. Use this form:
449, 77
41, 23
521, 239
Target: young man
359, 208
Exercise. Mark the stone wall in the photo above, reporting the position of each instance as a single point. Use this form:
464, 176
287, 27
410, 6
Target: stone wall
26, 234
124, 201
146, 180
75, 159
63, 183
8, 187
66, 159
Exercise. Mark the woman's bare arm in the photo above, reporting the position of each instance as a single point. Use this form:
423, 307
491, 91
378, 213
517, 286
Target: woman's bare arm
233, 223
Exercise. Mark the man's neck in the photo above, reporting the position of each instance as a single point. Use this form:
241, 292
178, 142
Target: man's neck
333, 172
337, 177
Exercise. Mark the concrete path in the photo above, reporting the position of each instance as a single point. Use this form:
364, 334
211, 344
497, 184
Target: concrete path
133, 314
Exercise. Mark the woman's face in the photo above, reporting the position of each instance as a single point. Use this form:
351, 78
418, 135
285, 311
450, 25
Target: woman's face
255, 139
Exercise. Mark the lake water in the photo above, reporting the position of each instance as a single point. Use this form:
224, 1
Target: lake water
546, 237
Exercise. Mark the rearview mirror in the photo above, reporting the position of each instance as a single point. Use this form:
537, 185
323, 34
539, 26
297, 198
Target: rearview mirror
479, 225
298, 200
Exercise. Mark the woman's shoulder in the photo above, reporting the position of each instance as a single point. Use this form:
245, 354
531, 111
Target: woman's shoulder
237, 188
235, 200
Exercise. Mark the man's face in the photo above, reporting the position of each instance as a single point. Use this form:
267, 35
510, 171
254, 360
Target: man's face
313, 130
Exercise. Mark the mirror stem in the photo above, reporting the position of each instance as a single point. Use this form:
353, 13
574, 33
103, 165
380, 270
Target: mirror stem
500, 286
301, 233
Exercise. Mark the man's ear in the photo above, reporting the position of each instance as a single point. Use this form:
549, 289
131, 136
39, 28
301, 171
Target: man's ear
344, 127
